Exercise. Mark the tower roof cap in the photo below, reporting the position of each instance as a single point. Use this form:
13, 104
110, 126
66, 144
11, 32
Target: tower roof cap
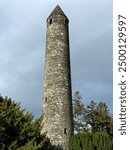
57, 11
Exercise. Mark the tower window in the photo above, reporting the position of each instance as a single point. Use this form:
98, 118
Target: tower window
66, 21
50, 21
45, 99
65, 131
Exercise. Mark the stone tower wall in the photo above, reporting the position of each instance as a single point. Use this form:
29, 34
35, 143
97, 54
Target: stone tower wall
57, 100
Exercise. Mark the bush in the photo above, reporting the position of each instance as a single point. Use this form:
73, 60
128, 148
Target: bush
90, 141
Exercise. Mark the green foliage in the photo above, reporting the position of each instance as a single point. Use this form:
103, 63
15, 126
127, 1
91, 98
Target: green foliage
31, 145
17, 127
93, 117
82, 141
102, 141
78, 111
19, 131
34, 145
90, 141
98, 117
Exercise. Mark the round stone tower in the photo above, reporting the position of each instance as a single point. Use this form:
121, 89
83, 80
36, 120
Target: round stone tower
57, 100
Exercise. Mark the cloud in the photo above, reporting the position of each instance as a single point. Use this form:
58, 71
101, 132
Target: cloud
93, 69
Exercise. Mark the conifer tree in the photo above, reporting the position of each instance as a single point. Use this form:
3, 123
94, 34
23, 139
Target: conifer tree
102, 141
98, 117
93, 117
78, 111
17, 127
91, 141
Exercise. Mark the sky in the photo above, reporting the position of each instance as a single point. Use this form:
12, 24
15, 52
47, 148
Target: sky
22, 49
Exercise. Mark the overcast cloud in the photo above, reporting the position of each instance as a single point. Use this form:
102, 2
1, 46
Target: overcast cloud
22, 49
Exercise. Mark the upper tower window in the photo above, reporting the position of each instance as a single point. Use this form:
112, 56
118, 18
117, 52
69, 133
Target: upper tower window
66, 21
50, 21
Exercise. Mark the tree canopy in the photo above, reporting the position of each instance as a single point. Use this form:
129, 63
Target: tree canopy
17, 127
93, 117
90, 141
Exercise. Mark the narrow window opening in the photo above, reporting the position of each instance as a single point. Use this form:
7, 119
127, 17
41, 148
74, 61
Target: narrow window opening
45, 99
65, 131
66, 21
50, 22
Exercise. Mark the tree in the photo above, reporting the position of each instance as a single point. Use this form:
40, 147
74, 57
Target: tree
93, 117
102, 141
98, 117
90, 141
78, 112
18, 127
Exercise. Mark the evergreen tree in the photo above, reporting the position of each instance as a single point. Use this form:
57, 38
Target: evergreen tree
90, 141
93, 117
102, 141
78, 112
98, 117
17, 127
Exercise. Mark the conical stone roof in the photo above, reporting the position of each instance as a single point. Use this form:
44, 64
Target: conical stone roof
57, 11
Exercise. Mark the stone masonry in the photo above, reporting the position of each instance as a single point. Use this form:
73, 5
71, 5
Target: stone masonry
57, 99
